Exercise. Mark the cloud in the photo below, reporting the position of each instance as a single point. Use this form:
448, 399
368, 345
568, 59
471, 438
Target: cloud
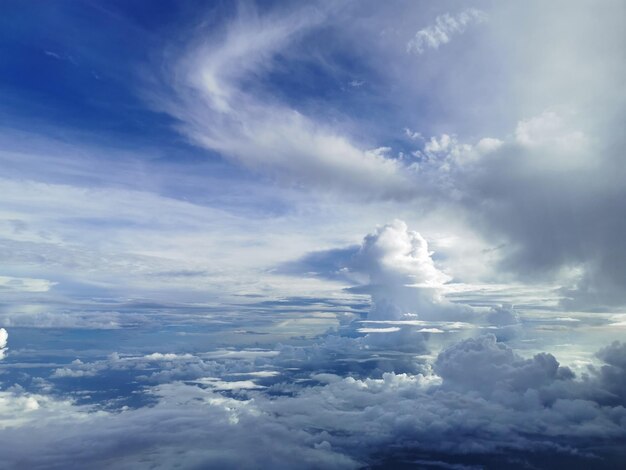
487, 366
210, 86
613, 373
401, 276
549, 128
507, 321
481, 401
548, 196
395, 267
24, 284
445, 27
4, 336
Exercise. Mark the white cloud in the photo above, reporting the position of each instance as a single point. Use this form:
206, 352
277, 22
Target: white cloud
396, 255
413, 135
258, 131
4, 336
444, 28
402, 278
481, 399
64, 372
167, 357
446, 152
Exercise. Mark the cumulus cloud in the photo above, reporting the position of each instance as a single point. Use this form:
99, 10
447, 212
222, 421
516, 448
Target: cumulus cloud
402, 278
481, 399
613, 372
394, 266
445, 27
4, 336
485, 365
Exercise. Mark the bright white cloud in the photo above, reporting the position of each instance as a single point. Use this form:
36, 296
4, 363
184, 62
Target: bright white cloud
396, 255
402, 278
4, 336
445, 27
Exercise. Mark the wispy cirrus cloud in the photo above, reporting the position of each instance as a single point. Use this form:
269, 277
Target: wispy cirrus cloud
445, 27
211, 98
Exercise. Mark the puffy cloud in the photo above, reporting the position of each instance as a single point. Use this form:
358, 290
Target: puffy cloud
4, 336
396, 255
483, 400
188, 427
394, 265
485, 365
64, 372
613, 373
504, 315
402, 277
446, 26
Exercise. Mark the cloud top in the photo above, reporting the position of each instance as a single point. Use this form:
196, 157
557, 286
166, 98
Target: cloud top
4, 336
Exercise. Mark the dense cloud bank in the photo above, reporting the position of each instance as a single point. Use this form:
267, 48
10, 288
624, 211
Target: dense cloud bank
481, 399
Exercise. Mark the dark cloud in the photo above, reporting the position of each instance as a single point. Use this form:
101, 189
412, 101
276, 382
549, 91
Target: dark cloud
558, 208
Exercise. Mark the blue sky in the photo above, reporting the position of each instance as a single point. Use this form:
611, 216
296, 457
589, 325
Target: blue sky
361, 235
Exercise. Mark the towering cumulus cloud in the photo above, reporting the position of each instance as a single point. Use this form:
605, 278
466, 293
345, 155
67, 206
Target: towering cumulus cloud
4, 336
394, 266
403, 280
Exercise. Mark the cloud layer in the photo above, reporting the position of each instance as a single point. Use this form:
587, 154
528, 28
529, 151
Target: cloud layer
482, 400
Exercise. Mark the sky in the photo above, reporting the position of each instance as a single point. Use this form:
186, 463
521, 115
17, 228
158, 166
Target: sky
326, 234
